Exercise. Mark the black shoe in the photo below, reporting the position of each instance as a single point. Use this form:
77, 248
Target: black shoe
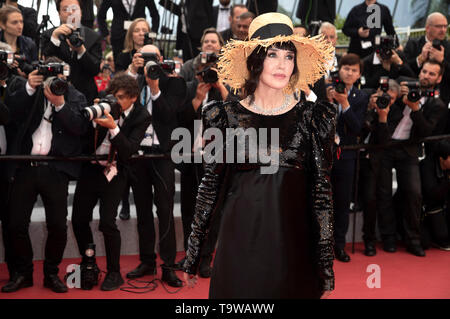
125, 212
390, 246
341, 255
18, 282
179, 265
141, 271
113, 281
205, 269
416, 250
169, 277
55, 284
370, 249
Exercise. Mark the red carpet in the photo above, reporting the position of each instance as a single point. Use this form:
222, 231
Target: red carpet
402, 275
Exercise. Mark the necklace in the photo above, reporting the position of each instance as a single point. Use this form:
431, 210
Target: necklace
260, 110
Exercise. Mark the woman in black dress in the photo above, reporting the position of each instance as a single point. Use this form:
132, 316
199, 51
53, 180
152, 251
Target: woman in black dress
276, 236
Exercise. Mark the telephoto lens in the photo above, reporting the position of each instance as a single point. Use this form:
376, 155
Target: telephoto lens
383, 100
57, 86
98, 110
153, 70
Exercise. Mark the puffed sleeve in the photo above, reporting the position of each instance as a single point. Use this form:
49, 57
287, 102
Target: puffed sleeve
322, 129
213, 116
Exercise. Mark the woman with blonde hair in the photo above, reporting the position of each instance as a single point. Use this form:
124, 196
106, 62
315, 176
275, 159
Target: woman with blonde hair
134, 40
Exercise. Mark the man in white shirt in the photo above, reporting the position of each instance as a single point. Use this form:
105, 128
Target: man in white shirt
408, 121
222, 15
51, 125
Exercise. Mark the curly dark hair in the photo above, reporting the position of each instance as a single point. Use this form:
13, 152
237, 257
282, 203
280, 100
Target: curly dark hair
125, 82
255, 65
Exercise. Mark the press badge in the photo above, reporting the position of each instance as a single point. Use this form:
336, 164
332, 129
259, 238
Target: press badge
110, 172
126, 24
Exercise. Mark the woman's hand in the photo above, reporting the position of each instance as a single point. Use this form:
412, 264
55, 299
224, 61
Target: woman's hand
190, 280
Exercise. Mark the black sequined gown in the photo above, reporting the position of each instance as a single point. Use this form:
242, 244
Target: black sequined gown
276, 236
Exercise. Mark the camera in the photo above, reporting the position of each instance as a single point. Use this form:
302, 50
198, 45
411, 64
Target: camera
148, 56
385, 44
75, 38
155, 70
209, 57
97, 110
313, 27
208, 75
338, 84
149, 38
416, 93
89, 271
50, 72
23, 65
384, 99
437, 44
6, 58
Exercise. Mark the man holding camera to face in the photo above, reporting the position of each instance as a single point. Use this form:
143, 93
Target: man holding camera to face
417, 116
351, 104
433, 45
76, 45
120, 124
47, 120
161, 93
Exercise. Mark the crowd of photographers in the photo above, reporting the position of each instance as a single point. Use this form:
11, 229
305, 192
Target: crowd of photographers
74, 101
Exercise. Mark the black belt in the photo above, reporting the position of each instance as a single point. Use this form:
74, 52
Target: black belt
38, 163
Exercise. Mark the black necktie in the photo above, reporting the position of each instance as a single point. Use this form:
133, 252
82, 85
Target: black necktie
224, 9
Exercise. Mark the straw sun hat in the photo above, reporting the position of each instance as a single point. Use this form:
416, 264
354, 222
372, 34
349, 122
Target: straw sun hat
313, 53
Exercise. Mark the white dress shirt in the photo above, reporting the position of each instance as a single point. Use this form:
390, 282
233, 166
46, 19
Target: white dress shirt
403, 129
42, 137
129, 6
223, 22
150, 137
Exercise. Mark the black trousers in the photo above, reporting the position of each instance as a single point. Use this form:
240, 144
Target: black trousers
92, 187
408, 180
155, 181
368, 174
342, 175
4, 200
191, 176
52, 185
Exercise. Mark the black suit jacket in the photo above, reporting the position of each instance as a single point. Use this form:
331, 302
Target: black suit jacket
29, 21
426, 122
227, 35
357, 18
165, 107
127, 142
412, 50
350, 123
263, 6
68, 125
120, 15
82, 71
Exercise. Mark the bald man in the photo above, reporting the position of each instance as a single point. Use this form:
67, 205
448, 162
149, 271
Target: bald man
419, 50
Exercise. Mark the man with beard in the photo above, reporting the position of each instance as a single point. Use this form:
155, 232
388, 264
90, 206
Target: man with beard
408, 121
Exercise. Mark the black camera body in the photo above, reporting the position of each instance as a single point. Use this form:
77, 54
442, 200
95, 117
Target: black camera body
74, 38
338, 84
50, 71
416, 93
384, 99
149, 38
208, 75
89, 271
108, 103
437, 44
6, 58
208, 57
155, 70
384, 44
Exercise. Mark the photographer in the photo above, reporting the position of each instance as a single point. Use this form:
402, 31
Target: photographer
134, 40
45, 121
433, 45
361, 35
76, 45
386, 60
416, 117
118, 134
12, 24
161, 93
30, 24
352, 105
376, 116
